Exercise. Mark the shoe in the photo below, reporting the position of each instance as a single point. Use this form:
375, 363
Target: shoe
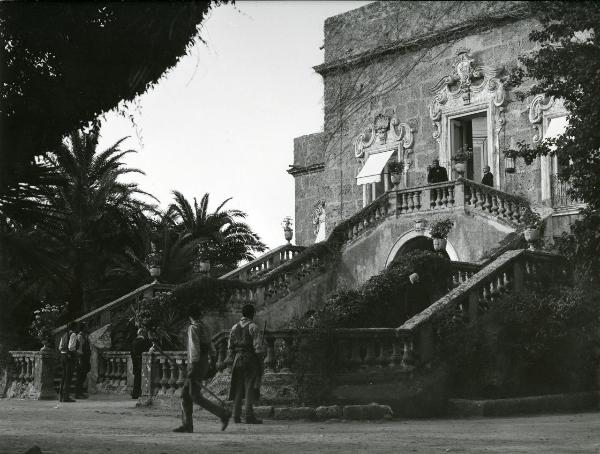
184, 429
253, 420
237, 420
225, 421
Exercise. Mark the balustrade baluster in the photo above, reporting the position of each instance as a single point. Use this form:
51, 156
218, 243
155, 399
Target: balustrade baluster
383, 357
473, 196
404, 202
164, 374
411, 201
29, 361
444, 196
369, 354
174, 376
418, 200
396, 358
407, 354
494, 209
22, 368
480, 196
439, 195
517, 213
451, 196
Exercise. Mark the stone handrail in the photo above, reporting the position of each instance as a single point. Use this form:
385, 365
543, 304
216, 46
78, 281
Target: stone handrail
164, 376
461, 271
508, 273
265, 263
499, 204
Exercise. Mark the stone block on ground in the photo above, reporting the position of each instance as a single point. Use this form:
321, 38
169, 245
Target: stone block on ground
294, 413
365, 412
329, 412
265, 411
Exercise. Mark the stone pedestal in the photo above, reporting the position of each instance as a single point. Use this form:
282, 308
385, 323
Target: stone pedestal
99, 340
43, 378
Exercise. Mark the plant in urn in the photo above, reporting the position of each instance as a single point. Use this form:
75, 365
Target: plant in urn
439, 233
288, 233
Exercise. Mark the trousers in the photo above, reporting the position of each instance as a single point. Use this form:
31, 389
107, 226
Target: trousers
66, 360
192, 394
243, 386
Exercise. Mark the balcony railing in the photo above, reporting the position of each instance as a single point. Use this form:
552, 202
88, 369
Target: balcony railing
561, 193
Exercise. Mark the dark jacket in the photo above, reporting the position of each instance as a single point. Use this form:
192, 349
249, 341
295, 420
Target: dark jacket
417, 298
437, 175
488, 179
139, 346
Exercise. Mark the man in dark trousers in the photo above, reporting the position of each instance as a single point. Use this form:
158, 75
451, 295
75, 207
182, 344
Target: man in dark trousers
199, 348
140, 345
83, 355
245, 346
67, 347
488, 178
436, 173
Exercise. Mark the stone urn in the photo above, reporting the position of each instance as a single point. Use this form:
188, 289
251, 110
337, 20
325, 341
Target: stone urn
460, 168
288, 234
396, 178
439, 244
531, 236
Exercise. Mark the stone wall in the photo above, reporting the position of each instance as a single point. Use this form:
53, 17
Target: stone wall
369, 69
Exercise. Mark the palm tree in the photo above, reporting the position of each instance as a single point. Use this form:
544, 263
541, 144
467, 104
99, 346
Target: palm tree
221, 235
100, 216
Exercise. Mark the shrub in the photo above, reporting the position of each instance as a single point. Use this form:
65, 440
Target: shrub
441, 229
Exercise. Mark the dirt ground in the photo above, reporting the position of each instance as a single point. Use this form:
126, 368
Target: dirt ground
95, 426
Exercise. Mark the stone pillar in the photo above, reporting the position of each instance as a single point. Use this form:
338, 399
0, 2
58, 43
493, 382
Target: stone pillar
373, 191
43, 375
99, 340
364, 188
147, 374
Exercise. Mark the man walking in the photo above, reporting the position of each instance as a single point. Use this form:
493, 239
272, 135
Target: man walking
199, 349
245, 346
140, 345
83, 355
436, 174
67, 347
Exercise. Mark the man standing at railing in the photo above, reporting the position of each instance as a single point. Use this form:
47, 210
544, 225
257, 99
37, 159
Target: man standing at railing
67, 347
140, 345
488, 178
199, 348
436, 174
245, 346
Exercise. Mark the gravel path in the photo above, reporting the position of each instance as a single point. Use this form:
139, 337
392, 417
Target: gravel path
113, 426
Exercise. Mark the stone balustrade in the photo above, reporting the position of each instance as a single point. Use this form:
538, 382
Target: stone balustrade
508, 273
461, 271
162, 375
115, 372
31, 374
265, 263
494, 202
561, 193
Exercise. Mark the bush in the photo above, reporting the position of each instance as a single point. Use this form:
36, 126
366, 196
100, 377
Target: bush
532, 342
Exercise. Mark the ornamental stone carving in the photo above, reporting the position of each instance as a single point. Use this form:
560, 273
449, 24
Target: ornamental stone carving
384, 131
539, 104
469, 84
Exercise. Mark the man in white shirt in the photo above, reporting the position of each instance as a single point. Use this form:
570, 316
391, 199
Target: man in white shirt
67, 348
199, 348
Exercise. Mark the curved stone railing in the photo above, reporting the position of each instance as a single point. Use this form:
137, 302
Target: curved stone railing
501, 205
508, 273
265, 263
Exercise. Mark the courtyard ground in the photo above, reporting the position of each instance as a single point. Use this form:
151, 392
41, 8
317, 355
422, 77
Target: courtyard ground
116, 426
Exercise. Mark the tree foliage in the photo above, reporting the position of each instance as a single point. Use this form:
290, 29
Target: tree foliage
63, 65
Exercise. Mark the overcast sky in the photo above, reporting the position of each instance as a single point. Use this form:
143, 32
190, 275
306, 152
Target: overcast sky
224, 119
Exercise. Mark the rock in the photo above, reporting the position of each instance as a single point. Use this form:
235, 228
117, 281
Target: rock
294, 413
371, 411
101, 338
263, 411
329, 412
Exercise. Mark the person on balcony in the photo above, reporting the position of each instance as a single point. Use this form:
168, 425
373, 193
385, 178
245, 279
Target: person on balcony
488, 178
83, 355
67, 347
140, 345
245, 346
199, 349
436, 174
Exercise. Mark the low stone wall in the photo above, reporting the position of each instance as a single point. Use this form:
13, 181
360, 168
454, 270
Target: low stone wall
554, 403
31, 374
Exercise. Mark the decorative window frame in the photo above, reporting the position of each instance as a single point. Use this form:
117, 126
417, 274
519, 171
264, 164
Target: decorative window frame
469, 90
541, 110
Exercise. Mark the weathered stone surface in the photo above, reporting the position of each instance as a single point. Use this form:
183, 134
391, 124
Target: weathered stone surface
263, 411
329, 412
371, 411
294, 413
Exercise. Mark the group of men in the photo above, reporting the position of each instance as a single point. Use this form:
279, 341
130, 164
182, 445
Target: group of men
74, 350
438, 174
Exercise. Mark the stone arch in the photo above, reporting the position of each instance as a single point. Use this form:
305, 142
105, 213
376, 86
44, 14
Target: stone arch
413, 236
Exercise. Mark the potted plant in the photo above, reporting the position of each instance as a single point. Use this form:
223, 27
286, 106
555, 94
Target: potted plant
460, 157
396, 168
439, 233
153, 262
533, 222
288, 233
45, 320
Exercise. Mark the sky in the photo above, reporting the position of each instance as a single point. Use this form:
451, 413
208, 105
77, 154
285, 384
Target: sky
224, 119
